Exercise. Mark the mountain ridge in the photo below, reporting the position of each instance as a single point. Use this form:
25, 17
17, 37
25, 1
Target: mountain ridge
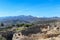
26, 19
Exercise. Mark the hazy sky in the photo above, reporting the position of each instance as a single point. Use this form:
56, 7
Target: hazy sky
42, 8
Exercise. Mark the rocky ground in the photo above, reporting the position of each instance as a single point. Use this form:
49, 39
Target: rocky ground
36, 32
45, 34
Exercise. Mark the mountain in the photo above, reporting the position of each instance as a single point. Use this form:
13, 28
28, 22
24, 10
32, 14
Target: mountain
18, 19
27, 19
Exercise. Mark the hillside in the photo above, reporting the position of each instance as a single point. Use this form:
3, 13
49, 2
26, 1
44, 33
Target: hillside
29, 26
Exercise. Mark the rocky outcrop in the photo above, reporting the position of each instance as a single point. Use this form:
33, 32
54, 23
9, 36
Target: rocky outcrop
19, 36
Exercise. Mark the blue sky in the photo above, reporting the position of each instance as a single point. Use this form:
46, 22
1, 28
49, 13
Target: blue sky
40, 8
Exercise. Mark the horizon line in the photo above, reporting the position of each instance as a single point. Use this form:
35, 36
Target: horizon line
31, 15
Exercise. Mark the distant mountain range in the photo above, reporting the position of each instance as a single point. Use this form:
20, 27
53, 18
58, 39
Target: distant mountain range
20, 19
25, 19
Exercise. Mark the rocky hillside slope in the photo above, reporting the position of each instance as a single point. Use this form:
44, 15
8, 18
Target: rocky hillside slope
41, 32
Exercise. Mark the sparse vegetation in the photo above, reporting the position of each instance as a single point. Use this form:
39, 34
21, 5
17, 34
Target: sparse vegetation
30, 28
20, 28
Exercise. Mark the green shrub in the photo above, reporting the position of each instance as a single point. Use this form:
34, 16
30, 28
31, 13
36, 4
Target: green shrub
19, 25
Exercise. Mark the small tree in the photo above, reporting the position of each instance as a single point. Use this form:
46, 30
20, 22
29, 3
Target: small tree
13, 25
20, 25
2, 24
28, 25
17, 25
